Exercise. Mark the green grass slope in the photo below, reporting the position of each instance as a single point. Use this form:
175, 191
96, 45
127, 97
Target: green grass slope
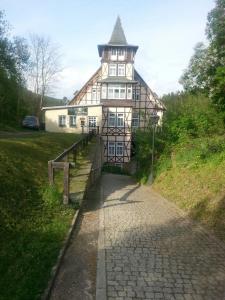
33, 221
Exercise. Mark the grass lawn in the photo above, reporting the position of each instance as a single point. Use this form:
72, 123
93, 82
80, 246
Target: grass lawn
33, 221
193, 177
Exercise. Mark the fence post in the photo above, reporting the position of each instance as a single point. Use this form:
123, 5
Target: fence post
50, 172
66, 191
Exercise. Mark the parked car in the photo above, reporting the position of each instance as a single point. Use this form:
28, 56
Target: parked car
31, 122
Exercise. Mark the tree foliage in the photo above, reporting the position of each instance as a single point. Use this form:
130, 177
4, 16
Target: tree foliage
207, 65
14, 57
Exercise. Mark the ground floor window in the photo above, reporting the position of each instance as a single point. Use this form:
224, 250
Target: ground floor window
111, 148
72, 121
115, 148
92, 121
119, 149
62, 121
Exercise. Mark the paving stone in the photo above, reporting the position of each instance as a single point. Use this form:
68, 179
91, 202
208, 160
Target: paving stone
155, 252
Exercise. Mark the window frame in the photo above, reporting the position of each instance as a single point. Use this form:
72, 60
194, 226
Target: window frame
60, 118
71, 124
117, 91
110, 118
112, 67
121, 146
110, 147
94, 123
119, 118
135, 119
123, 69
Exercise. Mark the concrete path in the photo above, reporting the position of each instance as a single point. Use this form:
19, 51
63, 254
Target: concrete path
148, 250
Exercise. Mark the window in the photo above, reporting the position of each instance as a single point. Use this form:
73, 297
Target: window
135, 120
116, 91
112, 69
120, 120
111, 148
114, 51
119, 148
113, 54
62, 121
72, 121
121, 69
112, 120
120, 52
92, 121
94, 94
129, 91
136, 94
104, 91
116, 120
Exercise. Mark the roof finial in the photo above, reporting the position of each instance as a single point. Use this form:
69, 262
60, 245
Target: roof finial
118, 36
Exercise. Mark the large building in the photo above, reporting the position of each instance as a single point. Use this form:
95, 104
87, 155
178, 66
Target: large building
115, 98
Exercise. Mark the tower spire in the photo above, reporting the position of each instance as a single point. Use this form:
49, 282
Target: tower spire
118, 36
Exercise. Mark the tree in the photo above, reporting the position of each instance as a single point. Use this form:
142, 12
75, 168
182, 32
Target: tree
44, 65
14, 57
207, 66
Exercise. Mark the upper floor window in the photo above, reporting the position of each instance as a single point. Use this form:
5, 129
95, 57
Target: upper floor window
121, 69
135, 119
136, 94
112, 69
116, 91
129, 91
116, 120
94, 94
113, 54
121, 54
62, 120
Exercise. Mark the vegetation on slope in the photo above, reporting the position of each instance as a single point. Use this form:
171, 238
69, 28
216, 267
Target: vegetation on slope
33, 220
190, 158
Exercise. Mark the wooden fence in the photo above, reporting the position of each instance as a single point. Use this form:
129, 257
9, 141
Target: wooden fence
61, 162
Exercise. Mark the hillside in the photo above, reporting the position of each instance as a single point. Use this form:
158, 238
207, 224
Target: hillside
33, 219
190, 159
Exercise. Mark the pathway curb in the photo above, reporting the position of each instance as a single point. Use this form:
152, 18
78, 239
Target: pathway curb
56, 267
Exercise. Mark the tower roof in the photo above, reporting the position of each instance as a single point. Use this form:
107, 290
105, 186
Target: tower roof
117, 39
118, 36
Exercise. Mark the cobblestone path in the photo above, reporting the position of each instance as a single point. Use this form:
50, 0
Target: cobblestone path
149, 250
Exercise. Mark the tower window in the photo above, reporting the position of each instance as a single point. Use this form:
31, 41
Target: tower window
113, 54
112, 70
121, 54
121, 69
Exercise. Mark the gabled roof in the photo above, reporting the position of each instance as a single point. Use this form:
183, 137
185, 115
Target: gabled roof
118, 36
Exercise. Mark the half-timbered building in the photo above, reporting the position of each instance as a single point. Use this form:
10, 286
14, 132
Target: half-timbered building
115, 98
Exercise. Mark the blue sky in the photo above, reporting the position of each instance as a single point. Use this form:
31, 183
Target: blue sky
165, 30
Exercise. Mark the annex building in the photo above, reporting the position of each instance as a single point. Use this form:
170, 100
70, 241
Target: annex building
116, 100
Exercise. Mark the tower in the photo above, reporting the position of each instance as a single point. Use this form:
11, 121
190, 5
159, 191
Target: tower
127, 101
